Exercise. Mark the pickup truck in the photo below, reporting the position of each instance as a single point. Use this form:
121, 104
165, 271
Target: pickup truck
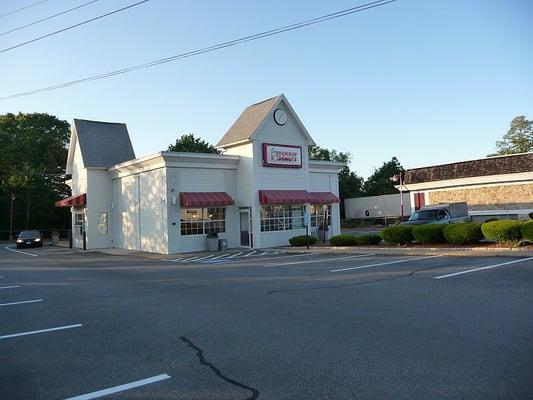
442, 213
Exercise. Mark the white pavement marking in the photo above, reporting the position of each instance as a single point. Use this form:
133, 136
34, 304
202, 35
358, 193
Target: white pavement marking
235, 255
9, 287
21, 302
482, 268
20, 251
384, 263
220, 256
121, 388
202, 258
59, 328
264, 253
189, 259
316, 261
249, 254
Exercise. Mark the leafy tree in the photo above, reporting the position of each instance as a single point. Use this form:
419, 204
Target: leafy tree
518, 139
379, 182
33, 153
190, 144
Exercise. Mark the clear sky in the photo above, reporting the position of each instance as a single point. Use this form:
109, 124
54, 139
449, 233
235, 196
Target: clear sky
424, 80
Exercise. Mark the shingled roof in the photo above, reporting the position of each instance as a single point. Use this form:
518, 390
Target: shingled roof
509, 164
103, 144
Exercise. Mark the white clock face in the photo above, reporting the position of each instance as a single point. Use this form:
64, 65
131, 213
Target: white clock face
280, 116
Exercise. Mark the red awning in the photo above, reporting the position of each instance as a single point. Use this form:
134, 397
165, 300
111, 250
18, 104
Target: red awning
79, 200
205, 199
323, 198
283, 196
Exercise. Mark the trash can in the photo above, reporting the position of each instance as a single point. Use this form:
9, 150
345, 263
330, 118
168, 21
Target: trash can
222, 244
212, 242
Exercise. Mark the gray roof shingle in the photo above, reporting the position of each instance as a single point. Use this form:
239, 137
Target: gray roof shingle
252, 116
103, 144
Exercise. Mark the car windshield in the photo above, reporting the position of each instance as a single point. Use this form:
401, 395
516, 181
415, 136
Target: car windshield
29, 234
424, 215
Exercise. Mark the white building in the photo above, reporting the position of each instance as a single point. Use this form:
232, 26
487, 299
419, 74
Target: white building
254, 195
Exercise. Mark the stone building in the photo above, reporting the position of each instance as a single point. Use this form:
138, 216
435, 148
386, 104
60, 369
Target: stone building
500, 186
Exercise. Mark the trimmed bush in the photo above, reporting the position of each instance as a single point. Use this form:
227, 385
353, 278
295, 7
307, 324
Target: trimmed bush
399, 234
429, 233
342, 240
491, 219
370, 238
527, 231
302, 240
530, 215
505, 231
463, 233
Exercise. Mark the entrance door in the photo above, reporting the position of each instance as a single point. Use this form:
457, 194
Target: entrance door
245, 228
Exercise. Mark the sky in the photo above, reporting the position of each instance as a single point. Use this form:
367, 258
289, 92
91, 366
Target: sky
427, 81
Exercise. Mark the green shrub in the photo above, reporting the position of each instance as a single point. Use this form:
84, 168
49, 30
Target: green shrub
530, 215
371, 238
398, 234
342, 240
527, 231
491, 219
302, 240
429, 233
463, 232
505, 231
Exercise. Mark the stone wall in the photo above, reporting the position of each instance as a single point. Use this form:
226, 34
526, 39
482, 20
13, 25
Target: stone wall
509, 197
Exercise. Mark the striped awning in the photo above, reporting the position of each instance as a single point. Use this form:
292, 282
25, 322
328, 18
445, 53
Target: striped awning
205, 199
283, 196
323, 198
79, 200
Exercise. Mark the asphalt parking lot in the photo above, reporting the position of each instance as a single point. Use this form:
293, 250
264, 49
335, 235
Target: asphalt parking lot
266, 325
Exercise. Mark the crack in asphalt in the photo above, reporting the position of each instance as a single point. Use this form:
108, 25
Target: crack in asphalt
411, 273
217, 371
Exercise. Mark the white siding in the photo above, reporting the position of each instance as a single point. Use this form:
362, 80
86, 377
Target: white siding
99, 199
153, 227
128, 212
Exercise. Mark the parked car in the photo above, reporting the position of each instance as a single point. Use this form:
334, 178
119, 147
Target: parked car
443, 213
29, 239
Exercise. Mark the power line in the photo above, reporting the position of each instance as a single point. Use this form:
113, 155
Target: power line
208, 49
47, 18
22, 8
73, 26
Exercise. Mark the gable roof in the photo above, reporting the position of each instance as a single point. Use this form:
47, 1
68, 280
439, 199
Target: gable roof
102, 144
250, 120
509, 164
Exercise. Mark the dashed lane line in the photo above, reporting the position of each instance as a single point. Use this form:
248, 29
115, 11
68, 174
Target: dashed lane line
483, 268
383, 263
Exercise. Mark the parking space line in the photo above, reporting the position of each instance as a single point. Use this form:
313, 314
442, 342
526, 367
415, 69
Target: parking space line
189, 259
59, 328
316, 261
483, 268
121, 388
20, 251
21, 302
235, 255
220, 256
384, 263
202, 258
250, 253
10, 287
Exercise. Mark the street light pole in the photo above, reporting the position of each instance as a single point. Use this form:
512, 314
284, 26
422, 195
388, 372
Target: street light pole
13, 197
401, 196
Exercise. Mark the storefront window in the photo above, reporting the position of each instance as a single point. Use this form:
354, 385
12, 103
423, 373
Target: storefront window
318, 214
282, 217
79, 219
198, 221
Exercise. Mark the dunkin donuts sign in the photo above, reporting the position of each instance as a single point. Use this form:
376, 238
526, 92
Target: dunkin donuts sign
283, 156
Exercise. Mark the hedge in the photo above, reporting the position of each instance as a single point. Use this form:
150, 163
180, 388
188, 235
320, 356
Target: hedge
302, 240
342, 240
527, 231
505, 231
463, 232
429, 233
371, 238
399, 234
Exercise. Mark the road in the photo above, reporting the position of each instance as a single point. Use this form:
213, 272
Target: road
264, 325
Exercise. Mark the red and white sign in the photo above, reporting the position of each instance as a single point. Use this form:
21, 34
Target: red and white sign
282, 156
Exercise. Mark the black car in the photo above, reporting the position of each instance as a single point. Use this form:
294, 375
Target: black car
29, 239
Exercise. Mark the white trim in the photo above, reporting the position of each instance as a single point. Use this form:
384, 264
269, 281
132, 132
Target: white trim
495, 180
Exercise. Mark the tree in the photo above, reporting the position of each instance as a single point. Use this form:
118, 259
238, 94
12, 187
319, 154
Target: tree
33, 153
379, 182
190, 144
518, 139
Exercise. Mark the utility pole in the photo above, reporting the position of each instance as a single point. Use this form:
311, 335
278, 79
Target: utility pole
13, 197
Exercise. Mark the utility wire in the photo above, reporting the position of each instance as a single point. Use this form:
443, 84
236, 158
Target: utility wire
22, 8
47, 18
73, 26
215, 47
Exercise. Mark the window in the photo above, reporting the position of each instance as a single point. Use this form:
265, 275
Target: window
198, 221
282, 217
79, 219
318, 214
102, 223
